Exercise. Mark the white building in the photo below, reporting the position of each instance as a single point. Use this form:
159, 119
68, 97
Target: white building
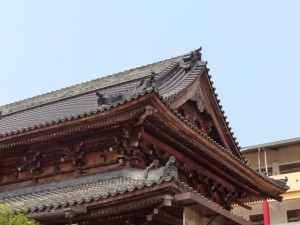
282, 158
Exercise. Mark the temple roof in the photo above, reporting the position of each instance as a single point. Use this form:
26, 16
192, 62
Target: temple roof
86, 189
96, 187
172, 76
89, 86
164, 81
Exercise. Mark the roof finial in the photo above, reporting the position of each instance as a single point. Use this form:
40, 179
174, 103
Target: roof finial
198, 53
171, 161
198, 49
151, 82
152, 166
170, 169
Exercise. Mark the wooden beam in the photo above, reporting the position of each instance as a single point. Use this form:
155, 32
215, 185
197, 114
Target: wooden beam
208, 209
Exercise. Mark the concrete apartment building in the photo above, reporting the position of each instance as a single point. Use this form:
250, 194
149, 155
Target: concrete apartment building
282, 158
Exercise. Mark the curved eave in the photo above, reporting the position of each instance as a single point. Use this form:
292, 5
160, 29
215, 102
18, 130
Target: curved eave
193, 76
89, 86
245, 168
179, 97
152, 93
73, 117
168, 74
224, 122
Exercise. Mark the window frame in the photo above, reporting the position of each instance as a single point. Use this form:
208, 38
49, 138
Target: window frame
258, 219
297, 211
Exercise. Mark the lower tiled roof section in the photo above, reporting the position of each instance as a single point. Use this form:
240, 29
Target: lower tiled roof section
93, 188
86, 189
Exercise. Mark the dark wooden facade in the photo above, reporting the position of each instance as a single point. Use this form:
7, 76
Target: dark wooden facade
84, 140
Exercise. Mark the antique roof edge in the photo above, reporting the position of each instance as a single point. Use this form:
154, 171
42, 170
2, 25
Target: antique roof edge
187, 122
240, 150
100, 196
205, 70
61, 93
234, 157
181, 187
85, 114
222, 112
202, 65
170, 179
152, 173
148, 86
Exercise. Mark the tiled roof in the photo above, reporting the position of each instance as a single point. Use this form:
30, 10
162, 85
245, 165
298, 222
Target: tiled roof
92, 188
89, 86
172, 76
279, 183
86, 189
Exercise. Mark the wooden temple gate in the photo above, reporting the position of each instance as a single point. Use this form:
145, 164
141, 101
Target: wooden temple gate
149, 145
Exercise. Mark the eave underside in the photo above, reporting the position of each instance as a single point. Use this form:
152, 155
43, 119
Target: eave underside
161, 205
197, 156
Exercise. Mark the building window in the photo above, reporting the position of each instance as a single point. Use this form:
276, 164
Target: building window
289, 168
293, 215
257, 219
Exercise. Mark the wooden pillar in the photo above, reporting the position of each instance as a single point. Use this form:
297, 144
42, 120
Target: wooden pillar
266, 212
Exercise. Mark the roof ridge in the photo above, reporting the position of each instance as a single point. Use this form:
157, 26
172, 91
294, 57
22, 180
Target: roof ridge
74, 90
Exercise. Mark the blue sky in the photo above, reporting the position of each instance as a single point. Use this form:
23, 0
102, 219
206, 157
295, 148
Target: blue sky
252, 49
